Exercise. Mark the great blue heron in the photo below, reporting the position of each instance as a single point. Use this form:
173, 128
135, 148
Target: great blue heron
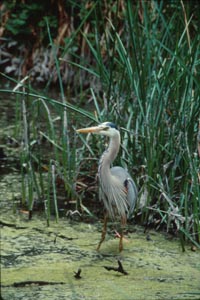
116, 187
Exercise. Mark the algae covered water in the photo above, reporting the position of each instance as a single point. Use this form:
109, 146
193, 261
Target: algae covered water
40, 262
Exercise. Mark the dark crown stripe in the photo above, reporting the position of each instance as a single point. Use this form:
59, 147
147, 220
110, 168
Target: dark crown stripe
112, 125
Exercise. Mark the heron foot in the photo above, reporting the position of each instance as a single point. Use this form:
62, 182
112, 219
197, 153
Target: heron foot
103, 235
99, 245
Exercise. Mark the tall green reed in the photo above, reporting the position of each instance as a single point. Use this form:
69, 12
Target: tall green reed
150, 81
42, 152
143, 59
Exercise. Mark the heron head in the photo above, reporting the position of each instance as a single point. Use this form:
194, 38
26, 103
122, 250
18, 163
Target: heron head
107, 128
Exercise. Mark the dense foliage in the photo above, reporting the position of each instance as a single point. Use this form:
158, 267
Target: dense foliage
137, 62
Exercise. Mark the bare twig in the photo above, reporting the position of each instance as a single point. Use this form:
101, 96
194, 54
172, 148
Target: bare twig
119, 269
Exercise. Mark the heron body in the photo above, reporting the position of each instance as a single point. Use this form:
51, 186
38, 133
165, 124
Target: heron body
116, 187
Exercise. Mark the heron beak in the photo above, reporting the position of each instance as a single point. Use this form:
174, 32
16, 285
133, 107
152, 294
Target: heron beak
94, 129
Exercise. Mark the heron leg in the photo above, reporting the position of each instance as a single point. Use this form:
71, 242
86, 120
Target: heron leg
121, 242
123, 223
104, 229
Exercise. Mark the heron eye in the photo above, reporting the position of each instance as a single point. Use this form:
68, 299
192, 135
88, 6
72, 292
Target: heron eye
106, 128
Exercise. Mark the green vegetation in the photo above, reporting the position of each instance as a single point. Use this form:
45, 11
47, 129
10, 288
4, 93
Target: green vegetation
133, 63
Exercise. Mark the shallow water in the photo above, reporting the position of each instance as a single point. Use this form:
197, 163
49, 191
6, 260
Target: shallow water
39, 262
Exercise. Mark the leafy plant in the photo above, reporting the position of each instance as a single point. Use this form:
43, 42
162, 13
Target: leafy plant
135, 64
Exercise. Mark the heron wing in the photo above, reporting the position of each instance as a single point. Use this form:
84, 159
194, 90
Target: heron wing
114, 197
131, 195
126, 195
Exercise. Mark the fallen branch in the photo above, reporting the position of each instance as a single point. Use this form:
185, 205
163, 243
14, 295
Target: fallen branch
119, 269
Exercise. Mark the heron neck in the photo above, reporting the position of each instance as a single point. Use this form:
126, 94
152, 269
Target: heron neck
109, 154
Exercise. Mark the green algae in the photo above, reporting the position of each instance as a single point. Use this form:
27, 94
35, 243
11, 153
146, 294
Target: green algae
32, 252
39, 262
